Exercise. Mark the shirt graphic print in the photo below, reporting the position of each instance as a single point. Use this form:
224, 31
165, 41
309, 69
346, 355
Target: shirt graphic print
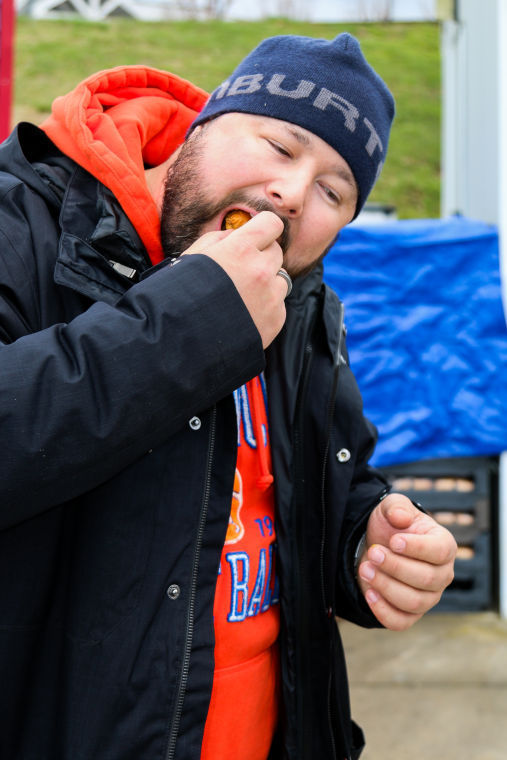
244, 703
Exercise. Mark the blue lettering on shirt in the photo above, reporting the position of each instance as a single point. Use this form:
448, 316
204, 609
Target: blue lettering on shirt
239, 586
245, 601
256, 598
244, 414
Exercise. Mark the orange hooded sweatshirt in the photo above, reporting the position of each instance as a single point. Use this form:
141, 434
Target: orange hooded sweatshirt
115, 124
118, 122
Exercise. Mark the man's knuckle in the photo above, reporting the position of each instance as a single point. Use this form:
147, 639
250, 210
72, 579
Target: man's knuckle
429, 578
415, 603
449, 577
447, 551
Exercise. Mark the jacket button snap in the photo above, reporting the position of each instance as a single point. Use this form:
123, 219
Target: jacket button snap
195, 423
173, 591
343, 455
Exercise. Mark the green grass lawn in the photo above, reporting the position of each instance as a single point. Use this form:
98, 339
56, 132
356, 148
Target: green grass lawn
52, 56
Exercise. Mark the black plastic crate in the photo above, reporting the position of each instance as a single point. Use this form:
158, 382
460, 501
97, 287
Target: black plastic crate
461, 494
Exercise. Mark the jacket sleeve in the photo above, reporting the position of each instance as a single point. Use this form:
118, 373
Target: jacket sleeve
81, 400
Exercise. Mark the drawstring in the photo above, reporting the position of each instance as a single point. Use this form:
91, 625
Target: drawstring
254, 391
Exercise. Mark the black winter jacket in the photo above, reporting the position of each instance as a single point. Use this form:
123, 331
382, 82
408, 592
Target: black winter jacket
117, 463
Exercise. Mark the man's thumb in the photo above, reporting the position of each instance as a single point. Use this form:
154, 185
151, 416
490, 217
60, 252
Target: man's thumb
398, 511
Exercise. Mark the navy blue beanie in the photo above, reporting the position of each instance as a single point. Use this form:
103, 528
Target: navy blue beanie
326, 87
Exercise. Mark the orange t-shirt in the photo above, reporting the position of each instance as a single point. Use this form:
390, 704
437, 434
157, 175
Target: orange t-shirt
243, 711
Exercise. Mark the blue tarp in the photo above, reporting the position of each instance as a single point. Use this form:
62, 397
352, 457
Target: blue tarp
426, 334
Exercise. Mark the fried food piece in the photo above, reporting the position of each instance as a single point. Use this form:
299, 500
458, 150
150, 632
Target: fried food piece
236, 218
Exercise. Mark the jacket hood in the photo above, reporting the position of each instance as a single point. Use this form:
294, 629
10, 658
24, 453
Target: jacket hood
119, 121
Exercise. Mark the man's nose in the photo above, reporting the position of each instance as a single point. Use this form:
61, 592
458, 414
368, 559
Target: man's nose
288, 194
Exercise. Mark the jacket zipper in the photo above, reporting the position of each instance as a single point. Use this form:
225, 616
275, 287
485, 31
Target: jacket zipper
299, 564
330, 411
185, 667
339, 360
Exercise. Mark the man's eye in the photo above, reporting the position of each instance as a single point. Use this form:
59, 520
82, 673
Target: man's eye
279, 148
333, 197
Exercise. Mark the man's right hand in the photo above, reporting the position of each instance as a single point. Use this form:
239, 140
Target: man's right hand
252, 257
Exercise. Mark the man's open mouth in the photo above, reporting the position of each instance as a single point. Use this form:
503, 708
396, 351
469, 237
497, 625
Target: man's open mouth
235, 218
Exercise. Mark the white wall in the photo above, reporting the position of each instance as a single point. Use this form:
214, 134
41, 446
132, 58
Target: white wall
470, 90
336, 10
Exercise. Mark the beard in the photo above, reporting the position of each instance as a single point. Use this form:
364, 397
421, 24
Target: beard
186, 206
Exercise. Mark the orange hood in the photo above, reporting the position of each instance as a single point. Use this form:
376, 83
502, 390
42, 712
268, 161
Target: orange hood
117, 122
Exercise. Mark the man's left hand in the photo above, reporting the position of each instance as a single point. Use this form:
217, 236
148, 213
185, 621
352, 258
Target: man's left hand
407, 563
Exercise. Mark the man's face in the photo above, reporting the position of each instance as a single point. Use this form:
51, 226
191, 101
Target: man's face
257, 163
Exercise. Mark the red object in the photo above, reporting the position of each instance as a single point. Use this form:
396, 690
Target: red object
116, 122
6, 47
243, 710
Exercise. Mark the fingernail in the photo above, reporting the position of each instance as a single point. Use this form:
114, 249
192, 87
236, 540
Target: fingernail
366, 572
376, 555
398, 544
372, 596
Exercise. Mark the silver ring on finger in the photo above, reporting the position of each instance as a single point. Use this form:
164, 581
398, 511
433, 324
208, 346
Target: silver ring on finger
286, 277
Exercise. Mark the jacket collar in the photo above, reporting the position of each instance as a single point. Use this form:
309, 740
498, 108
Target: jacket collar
117, 122
309, 287
20, 156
